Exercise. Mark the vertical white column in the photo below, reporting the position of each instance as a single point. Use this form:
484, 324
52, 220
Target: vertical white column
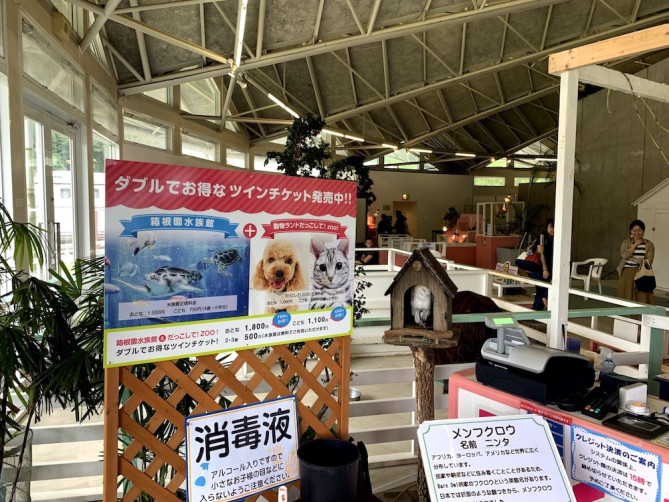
14, 58
558, 296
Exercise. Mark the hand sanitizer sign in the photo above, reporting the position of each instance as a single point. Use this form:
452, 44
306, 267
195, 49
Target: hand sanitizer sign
235, 453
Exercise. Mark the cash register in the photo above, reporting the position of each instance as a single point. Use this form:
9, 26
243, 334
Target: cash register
512, 364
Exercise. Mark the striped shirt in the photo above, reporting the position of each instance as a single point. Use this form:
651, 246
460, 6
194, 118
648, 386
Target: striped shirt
639, 253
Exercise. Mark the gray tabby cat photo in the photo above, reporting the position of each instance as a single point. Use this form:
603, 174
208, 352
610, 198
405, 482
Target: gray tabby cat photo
330, 281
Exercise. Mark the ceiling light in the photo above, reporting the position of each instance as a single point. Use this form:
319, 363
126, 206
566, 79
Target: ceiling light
546, 159
343, 135
282, 105
334, 133
465, 154
388, 145
419, 150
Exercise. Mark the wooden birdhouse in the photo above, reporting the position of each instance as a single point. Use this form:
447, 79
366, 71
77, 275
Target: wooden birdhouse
421, 298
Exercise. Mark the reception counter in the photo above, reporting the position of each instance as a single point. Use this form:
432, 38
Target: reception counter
602, 463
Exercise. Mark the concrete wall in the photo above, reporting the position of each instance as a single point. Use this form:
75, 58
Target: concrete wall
617, 162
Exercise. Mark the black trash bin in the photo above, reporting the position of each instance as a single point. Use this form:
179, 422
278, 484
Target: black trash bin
328, 470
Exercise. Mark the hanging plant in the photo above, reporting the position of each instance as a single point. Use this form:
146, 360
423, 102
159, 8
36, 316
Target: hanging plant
307, 155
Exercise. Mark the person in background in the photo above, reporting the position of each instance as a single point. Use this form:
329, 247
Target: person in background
633, 251
400, 223
545, 250
369, 257
385, 225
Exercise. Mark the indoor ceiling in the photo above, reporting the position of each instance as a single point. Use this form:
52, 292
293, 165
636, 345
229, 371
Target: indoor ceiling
448, 76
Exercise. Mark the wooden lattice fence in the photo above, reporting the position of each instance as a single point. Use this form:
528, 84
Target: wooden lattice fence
137, 415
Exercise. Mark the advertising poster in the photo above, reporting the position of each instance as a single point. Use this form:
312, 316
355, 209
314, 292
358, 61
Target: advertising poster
510, 459
202, 261
234, 453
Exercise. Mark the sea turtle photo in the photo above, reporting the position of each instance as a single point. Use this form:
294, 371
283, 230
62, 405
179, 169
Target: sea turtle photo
167, 281
223, 259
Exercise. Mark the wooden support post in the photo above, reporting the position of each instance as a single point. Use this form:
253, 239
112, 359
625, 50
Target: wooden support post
423, 360
110, 470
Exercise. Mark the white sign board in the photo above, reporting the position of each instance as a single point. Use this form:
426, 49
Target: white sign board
232, 454
617, 468
511, 458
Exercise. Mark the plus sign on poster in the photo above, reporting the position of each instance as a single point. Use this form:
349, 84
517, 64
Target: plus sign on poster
202, 261
250, 230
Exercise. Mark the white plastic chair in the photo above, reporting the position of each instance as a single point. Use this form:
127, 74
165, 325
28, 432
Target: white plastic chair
595, 268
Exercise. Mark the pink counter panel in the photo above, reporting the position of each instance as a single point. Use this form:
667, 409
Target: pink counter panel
571, 432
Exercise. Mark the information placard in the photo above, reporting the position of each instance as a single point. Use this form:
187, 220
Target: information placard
618, 468
202, 261
511, 458
234, 453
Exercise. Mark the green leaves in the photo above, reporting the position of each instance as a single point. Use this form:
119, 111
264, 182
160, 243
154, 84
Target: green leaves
50, 331
26, 241
308, 156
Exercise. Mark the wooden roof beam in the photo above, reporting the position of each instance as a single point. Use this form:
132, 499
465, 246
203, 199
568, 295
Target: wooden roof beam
639, 42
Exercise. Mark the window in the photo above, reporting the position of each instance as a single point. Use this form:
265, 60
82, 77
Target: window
201, 97
51, 70
103, 149
400, 157
498, 162
489, 181
145, 131
161, 95
259, 164
235, 158
104, 110
526, 179
74, 15
96, 45
197, 146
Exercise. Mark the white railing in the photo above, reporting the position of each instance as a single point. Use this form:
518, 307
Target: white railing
605, 325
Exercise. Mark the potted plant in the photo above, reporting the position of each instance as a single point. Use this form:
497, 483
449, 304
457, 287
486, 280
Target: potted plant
50, 338
451, 218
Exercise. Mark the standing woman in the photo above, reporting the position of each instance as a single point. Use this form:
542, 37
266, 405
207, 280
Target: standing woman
633, 251
545, 250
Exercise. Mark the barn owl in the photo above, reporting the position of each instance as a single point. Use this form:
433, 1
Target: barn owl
421, 304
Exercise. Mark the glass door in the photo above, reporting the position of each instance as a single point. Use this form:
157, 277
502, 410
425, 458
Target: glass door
51, 185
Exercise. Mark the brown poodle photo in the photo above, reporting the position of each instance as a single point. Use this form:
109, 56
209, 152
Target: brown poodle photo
279, 271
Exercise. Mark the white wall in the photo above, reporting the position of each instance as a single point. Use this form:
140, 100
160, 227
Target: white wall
617, 162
